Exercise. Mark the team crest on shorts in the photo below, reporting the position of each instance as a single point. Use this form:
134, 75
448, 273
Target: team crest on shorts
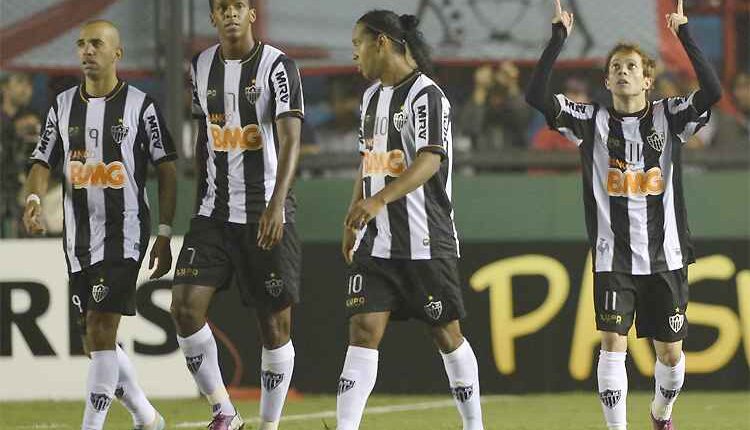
119, 132
274, 285
656, 140
610, 398
399, 119
253, 93
434, 309
271, 380
676, 321
99, 291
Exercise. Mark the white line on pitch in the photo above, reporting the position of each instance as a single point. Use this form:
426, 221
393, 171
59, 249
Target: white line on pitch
376, 410
44, 426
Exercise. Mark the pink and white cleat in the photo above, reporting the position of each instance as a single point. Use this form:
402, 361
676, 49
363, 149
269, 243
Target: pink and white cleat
226, 422
661, 424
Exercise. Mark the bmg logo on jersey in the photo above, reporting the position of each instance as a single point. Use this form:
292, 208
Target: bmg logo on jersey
635, 183
247, 138
96, 174
391, 163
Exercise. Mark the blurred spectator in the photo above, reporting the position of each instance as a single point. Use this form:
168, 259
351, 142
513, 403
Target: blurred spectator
496, 116
547, 139
338, 131
17, 127
729, 132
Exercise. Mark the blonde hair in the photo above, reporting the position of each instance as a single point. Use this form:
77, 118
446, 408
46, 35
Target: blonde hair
648, 63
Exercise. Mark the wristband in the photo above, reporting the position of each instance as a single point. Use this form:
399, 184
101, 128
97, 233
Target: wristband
165, 230
33, 198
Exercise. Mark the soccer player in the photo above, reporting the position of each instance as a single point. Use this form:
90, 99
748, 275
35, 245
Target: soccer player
634, 205
105, 132
248, 99
399, 236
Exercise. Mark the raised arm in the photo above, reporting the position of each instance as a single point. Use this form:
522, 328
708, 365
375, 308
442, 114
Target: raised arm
537, 93
710, 85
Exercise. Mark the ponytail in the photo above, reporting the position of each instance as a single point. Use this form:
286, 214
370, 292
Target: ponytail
404, 31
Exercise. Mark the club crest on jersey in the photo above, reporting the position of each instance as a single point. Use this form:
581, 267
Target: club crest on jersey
434, 309
603, 246
271, 380
399, 119
274, 285
610, 398
676, 321
345, 385
119, 132
99, 401
194, 363
656, 140
462, 394
253, 93
99, 292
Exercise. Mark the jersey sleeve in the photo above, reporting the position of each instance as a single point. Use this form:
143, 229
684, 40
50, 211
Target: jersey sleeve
683, 117
287, 89
431, 118
159, 142
572, 119
48, 150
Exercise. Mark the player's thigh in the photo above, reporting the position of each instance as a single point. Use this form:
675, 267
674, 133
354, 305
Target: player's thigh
614, 301
432, 289
661, 313
269, 280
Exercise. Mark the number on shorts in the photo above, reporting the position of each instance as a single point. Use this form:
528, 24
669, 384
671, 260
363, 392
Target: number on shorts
355, 284
192, 255
610, 300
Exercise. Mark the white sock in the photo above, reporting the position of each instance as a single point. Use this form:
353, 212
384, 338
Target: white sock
668, 385
276, 369
613, 388
130, 393
202, 360
355, 385
100, 388
463, 376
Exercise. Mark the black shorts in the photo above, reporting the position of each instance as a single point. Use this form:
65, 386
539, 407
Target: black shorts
217, 254
428, 290
107, 286
658, 302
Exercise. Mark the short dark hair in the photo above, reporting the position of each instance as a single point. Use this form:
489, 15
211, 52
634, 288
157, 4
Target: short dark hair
211, 4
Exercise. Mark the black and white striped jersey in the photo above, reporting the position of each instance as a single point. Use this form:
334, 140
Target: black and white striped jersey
397, 123
632, 182
105, 145
237, 103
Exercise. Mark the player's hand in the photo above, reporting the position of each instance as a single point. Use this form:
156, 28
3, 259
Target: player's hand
32, 218
676, 19
161, 252
363, 211
347, 244
270, 227
566, 18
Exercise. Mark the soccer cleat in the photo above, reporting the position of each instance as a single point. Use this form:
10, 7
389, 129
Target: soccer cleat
157, 424
661, 424
226, 422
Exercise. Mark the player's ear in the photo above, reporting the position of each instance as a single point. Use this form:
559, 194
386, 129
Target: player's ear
648, 83
211, 18
252, 15
606, 83
119, 53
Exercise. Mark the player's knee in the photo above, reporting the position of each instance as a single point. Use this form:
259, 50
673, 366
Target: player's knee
448, 338
185, 317
670, 356
276, 331
614, 342
101, 331
364, 335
